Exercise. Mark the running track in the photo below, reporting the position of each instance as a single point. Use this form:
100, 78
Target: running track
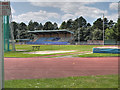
33, 68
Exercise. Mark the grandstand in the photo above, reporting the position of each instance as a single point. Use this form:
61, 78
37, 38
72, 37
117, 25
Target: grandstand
52, 37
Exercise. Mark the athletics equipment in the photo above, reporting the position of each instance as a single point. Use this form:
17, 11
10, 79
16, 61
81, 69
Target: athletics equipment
107, 49
5, 12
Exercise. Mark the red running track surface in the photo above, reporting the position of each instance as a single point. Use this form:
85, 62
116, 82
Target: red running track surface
35, 68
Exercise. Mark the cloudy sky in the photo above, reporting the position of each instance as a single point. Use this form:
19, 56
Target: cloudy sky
62, 11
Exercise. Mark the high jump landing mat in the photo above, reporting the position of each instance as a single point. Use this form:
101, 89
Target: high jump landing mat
107, 49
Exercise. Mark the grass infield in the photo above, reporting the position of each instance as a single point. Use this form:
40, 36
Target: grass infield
100, 81
78, 48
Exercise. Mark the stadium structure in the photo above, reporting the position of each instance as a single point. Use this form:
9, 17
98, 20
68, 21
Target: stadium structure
52, 37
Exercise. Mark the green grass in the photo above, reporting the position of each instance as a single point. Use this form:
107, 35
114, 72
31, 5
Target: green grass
78, 48
58, 47
22, 55
101, 81
98, 55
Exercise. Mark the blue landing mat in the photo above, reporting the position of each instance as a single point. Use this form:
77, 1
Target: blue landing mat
106, 50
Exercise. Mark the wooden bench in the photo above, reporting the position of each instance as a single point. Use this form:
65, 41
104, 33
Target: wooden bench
36, 47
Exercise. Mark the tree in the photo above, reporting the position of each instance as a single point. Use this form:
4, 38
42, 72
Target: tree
88, 25
69, 24
48, 26
36, 25
31, 26
111, 23
81, 22
98, 24
109, 34
63, 25
40, 26
113, 33
118, 24
22, 26
23, 34
97, 34
15, 27
55, 26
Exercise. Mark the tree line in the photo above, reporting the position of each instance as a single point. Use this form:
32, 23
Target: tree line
79, 26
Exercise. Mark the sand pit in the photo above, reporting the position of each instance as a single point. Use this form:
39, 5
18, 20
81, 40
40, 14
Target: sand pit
48, 52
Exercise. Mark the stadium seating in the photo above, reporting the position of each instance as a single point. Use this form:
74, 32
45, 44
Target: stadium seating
50, 41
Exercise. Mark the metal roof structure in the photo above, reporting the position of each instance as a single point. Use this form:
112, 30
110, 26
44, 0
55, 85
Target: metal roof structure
44, 31
23, 39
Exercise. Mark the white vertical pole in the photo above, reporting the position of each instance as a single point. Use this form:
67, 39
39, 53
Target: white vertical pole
79, 36
103, 29
1, 54
1, 50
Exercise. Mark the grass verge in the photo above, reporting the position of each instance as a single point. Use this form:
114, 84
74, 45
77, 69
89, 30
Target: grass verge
78, 48
98, 55
100, 81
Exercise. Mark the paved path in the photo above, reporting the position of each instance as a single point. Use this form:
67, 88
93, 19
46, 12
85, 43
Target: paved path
33, 68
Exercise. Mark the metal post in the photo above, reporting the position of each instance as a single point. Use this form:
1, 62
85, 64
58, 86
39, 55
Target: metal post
8, 31
4, 11
103, 29
1, 54
79, 35
78, 32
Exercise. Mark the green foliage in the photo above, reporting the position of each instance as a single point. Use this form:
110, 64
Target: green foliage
55, 26
98, 24
63, 25
36, 25
15, 27
40, 26
78, 26
112, 33
97, 34
22, 27
48, 26
31, 26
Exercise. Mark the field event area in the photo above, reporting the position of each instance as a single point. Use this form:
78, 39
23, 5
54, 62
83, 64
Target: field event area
58, 51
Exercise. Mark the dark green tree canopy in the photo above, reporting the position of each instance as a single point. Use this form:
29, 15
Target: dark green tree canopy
48, 26
98, 24
63, 25
79, 26
31, 26
55, 26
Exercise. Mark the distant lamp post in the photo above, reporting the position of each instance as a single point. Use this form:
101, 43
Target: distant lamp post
78, 35
103, 29
78, 32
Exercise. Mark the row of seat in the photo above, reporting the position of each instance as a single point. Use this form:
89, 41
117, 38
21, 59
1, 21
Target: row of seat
49, 41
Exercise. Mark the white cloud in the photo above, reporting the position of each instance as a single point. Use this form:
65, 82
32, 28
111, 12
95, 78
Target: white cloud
113, 17
64, 0
90, 12
12, 10
70, 10
67, 16
74, 10
113, 6
41, 16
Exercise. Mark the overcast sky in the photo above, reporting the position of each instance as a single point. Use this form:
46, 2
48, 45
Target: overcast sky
62, 11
